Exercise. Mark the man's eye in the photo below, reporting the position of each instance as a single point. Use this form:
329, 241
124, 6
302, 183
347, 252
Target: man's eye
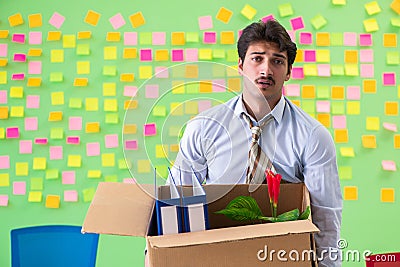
278, 61
257, 59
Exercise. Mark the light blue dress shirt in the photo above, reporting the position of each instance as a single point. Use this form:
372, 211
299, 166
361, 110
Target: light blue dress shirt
216, 145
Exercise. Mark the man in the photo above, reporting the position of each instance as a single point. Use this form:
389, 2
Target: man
216, 143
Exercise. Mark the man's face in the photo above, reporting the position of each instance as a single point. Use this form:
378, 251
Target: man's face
267, 68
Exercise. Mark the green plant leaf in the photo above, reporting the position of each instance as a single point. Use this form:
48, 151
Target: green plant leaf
288, 216
239, 214
242, 208
305, 214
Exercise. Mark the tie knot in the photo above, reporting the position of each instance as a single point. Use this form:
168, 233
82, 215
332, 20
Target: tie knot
255, 132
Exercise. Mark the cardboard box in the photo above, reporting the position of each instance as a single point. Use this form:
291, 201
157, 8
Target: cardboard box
127, 209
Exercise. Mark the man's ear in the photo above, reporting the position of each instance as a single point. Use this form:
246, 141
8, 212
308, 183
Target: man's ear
240, 66
288, 73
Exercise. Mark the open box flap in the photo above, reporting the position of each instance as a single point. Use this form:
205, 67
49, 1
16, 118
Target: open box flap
120, 209
233, 234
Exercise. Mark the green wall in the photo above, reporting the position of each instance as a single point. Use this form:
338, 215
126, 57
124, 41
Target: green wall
370, 215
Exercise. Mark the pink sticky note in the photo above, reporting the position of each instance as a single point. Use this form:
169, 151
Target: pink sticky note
292, 35
117, 21
209, 37
365, 39
177, 55
57, 20
131, 144
297, 23
68, 177
151, 91
4, 200
339, 122
25, 147
267, 18
366, 55
149, 129
19, 57
70, 196
323, 106
350, 39
3, 50
73, 140
41, 141
367, 70
111, 140
93, 149
3, 97
306, 38
158, 38
129, 181
31, 124
18, 76
297, 73
4, 162
388, 165
130, 38
19, 188
390, 126
12, 132
146, 55
18, 38
75, 123
33, 101
35, 67
35, 38
56, 152
130, 90
205, 22
309, 56
389, 79
192, 54
353, 92
161, 72
204, 105
218, 85
292, 89
324, 70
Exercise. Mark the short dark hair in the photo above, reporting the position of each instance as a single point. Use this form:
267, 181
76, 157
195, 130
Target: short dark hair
270, 31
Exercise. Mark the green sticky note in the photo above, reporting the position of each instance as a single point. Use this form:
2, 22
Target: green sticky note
232, 55
323, 92
178, 71
336, 39
392, 58
56, 76
337, 108
192, 37
285, 10
218, 70
83, 49
192, 88
109, 70
112, 118
56, 133
36, 183
318, 22
122, 164
159, 111
75, 103
345, 172
337, 69
395, 22
88, 194
351, 69
308, 106
218, 53
145, 38
111, 178
162, 171
52, 174
174, 131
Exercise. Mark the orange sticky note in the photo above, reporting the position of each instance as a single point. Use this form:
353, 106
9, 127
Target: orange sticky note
351, 56
391, 108
224, 15
55, 116
113, 36
368, 141
174, 148
395, 6
350, 192
3, 112
92, 18
34, 52
161, 55
52, 201
341, 135
35, 20
127, 77
80, 81
130, 129
15, 19
369, 86
84, 35
205, 87
387, 194
389, 40
92, 127
308, 91
34, 82
3, 34
396, 141
130, 53
323, 39
299, 56
234, 84
227, 37
53, 36
137, 19
130, 104
337, 92
324, 119
3, 62
191, 71
178, 38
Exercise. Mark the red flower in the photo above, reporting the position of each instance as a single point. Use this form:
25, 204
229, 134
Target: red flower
274, 182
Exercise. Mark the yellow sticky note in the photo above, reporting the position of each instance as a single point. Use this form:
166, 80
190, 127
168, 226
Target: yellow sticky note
161, 55
108, 160
145, 72
339, 2
2, 133
109, 89
15, 20
351, 56
391, 108
110, 105
110, 52
130, 129
351, 70
35, 20
387, 194
84, 35
94, 174
69, 41
353, 107
178, 38
81, 81
372, 8
369, 86
389, 40
92, 17
178, 87
310, 69
130, 104
161, 151
372, 123
224, 15
3, 34
350, 192
205, 54
3, 77
191, 107
368, 141
227, 37
113, 36
347, 152
52, 201
92, 127
53, 36
323, 39
248, 11
4, 179
337, 92
34, 52
21, 169
371, 25
323, 55
341, 135
83, 67
16, 92
56, 56
143, 166
34, 81
3, 113
3, 62
137, 19
57, 98
17, 111
92, 104
130, 53
176, 109
74, 161
55, 116
127, 77
39, 163
308, 91
35, 196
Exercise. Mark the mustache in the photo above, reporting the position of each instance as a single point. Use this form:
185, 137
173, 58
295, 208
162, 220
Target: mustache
263, 78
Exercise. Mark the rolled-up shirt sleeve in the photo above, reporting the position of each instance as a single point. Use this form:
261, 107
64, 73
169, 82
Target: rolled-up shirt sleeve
322, 180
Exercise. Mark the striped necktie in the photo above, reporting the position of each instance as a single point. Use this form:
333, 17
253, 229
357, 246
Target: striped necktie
258, 161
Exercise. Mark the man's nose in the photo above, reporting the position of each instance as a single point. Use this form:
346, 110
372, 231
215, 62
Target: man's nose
265, 69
